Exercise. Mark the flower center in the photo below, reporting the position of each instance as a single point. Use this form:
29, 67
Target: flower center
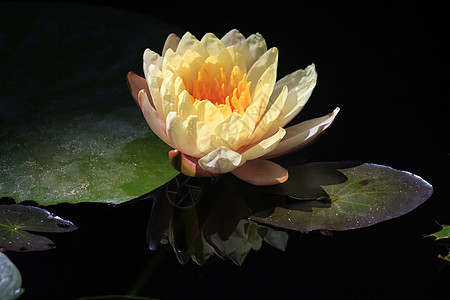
235, 93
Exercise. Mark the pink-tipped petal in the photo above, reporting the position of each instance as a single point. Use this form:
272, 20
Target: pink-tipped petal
302, 134
261, 172
172, 42
135, 84
187, 165
153, 119
233, 38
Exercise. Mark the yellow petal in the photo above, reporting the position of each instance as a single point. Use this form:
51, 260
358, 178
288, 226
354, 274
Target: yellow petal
193, 62
185, 106
236, 75
192, 136
169, 99
291, 81
265, 146
225, 110
261, 96
212, 44
226, 61
237, 58
154, 80
202, 136
151, 58
257, 45
267, 125
302, 134
300, 84
209, 113
236, 40
221, 160
188, 41
172, 62
261, 65
178, 86
234, 130
299, 95
211, 68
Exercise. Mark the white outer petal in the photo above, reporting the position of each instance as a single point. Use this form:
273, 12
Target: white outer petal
192, 136
268, 59
221, 160
264, 146
257, 45
212, 44
153, 119
154, 80
188, 41
264, 127
151, 58
300, 83
233, 38
302, 134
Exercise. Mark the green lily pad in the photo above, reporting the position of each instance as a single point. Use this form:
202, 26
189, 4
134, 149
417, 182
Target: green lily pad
70, 130
442, 234
10, 279
16, 219
372, 194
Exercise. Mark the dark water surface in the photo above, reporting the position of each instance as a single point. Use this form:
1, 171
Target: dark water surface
379, 64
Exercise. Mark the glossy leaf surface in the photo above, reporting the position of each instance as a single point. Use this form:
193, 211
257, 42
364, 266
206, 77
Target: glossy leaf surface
16, 220
372, 194
10, 279
71, 132
442, 234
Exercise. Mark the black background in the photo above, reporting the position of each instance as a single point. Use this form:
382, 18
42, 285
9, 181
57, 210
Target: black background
382, 65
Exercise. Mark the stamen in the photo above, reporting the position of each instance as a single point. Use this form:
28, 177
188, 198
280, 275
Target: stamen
233, 94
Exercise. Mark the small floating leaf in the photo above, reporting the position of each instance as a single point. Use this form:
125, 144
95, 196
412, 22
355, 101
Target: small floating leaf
10, 279
443, 236
372, 194
16, 219
446, 258
444, 233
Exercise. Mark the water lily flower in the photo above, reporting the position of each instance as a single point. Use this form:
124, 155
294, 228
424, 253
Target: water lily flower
217, 103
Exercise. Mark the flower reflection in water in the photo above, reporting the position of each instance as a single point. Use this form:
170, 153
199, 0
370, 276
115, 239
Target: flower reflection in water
203, 217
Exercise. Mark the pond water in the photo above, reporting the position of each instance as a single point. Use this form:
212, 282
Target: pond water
368, 65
